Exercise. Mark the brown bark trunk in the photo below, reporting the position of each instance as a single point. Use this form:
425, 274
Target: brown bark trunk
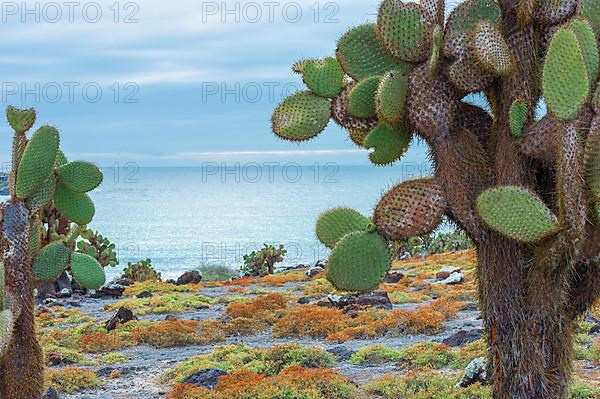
529, 332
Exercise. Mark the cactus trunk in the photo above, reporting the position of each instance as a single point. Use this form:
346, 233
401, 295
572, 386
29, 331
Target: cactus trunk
21, 371
529, 332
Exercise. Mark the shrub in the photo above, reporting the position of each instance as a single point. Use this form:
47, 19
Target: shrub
376, 354
263, 308
310, 321
72, 379
173, 333
101, 342
172, 302
216, 272
428, 354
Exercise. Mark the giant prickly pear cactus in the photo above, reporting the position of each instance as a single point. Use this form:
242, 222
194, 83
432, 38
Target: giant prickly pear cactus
41, 178
526, 191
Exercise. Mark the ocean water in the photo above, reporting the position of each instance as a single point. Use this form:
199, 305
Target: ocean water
182, 218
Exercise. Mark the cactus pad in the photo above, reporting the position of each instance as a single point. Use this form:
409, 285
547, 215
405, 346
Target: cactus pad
324, 77
389, 143
341, 115
35, 237
390, 100
552, 12
491, 50
358, 262
410, 209
300, 117
518, 117
336, 223
51, 261
467, 15
21, 120
436, 50
358, 137
77, 207
517, 213
361, 55
361, 102
44, 194
61, 158
565, 81
587, 44
79, 176
6, 329
589, 9
403, 30
87, 271
592, 164
37, 162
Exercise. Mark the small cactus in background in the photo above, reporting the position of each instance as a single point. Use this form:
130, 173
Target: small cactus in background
44, 188
525, 191
99, 247
263, 260
141, 271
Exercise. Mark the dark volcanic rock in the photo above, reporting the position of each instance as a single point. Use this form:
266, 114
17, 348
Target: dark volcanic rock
475, 372
51, 394
121, 316
393, 277
304, 300
144, 294
191, 277
376, 299
110, 291
463, 337
207, 378
124, 282
596, 324
341, 352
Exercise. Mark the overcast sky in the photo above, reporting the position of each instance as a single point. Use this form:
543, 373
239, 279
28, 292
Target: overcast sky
171, 83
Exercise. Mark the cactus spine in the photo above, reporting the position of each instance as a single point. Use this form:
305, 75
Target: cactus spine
38, 167
527, 192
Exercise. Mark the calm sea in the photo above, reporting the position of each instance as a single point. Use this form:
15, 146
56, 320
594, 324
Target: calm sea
182, 218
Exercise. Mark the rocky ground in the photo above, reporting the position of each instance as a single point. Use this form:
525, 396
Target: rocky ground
426, 322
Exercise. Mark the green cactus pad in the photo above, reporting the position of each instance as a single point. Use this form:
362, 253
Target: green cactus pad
390, 100
358, 262
336, 223
358, 137
87, 271
79, 176
51, 262
491, 50
589, 9
389, 143
77, 207
410, 209
35, 237
403, 31
588, 45
361, 102
467, 15
565, 81
361, 55
592, 164
517, 213
436, 51
37, 162
61, 158
301, 117
518, 116
324, 77
44, 194
21, 120
6, 329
